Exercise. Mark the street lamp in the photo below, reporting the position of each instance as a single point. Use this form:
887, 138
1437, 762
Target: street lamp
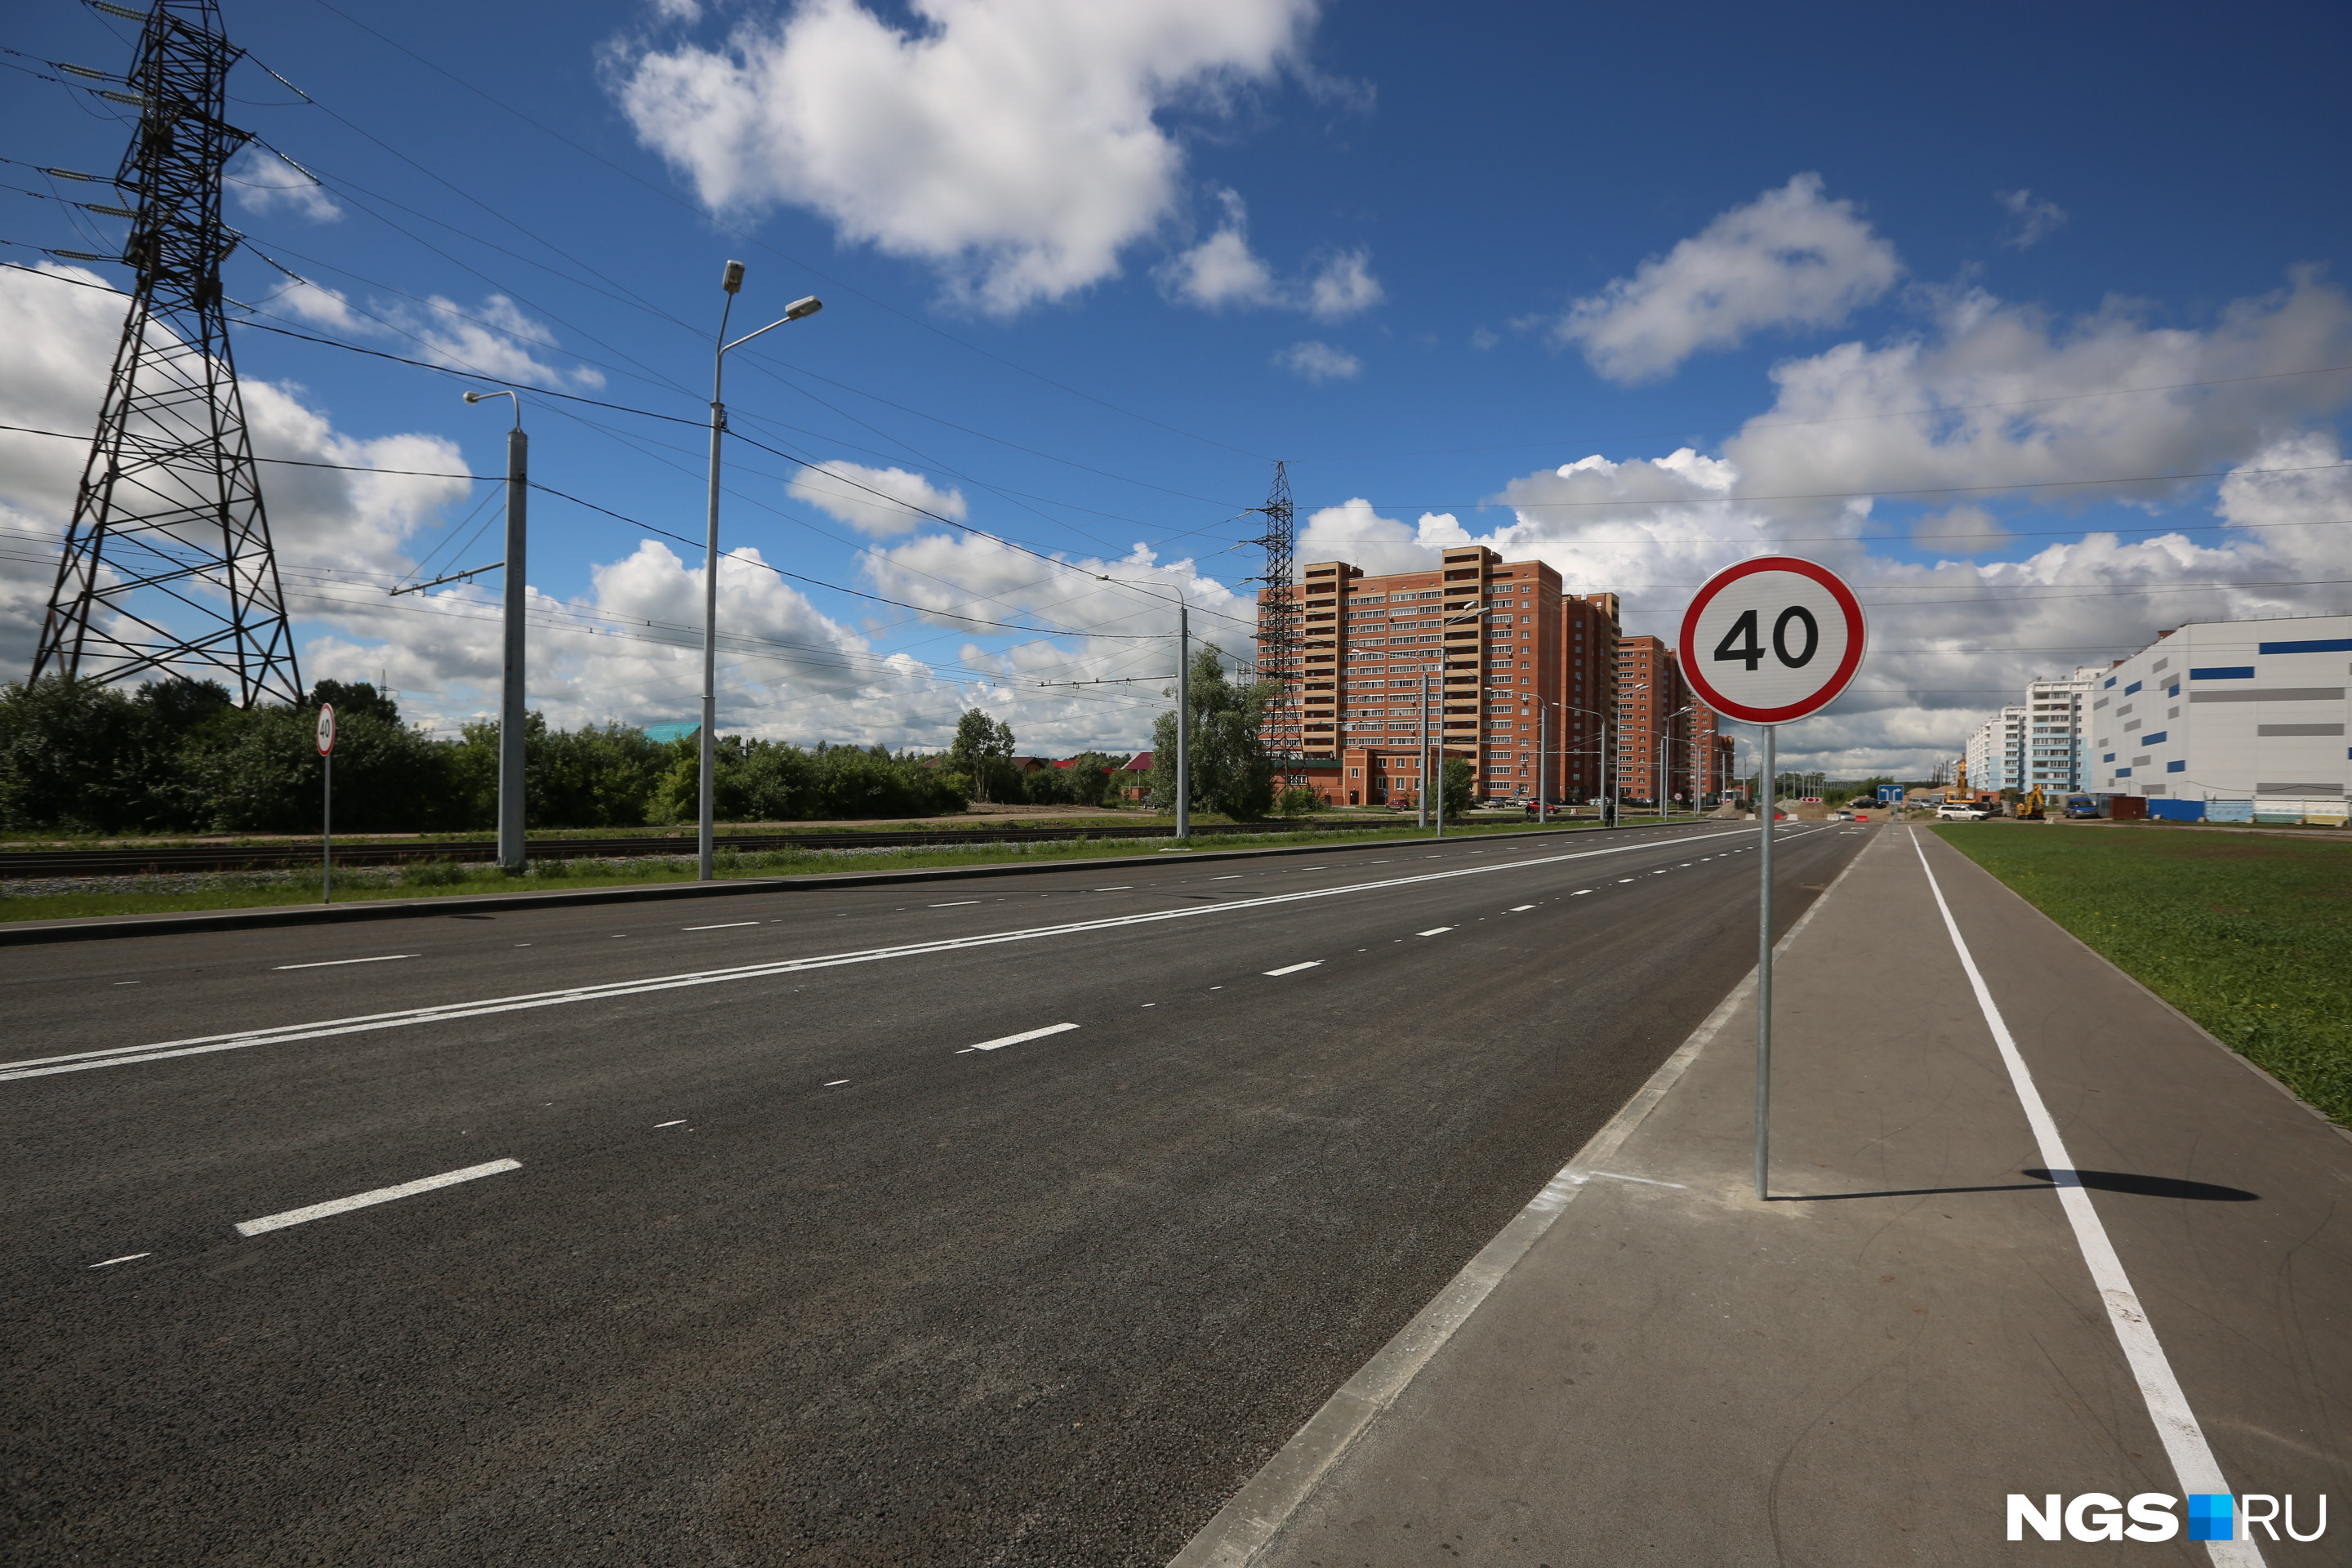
511, 852
1183, 700
1452, 620
1667, 753
732, 282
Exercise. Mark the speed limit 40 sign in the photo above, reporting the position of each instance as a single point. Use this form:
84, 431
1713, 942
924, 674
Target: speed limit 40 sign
1772, 639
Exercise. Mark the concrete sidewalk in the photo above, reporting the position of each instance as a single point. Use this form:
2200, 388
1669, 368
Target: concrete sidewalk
1656, 1368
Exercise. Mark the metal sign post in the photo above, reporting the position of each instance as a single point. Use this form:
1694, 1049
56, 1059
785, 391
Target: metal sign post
1769, 641
326, 804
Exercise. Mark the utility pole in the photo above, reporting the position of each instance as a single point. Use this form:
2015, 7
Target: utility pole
513, 853
1279, 612
168, 518
1183, 725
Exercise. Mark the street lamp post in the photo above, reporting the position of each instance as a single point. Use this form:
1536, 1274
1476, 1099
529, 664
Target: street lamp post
1666, 755
809, 305
1478, 613
512, 855
1183, 700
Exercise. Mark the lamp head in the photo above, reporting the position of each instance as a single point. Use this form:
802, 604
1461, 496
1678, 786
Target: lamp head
733, 281
808, 306
473, 397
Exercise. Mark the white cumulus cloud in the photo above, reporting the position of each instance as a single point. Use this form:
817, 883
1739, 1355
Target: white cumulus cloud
1318, 362
1013, 144
262, 181
2032, 218
1788, 258
875, 501
1222, 270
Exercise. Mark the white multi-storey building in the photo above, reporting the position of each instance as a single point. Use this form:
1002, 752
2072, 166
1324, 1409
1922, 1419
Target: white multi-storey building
2234, 711
2055, 755
1997, 750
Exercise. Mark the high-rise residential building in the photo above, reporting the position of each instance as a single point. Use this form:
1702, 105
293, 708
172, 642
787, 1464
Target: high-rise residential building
2057, 739
1652, 695
2235, 710
1705, 766
1378, 662
1996, 752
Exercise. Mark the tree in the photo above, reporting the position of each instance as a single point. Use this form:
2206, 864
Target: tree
1461, 781
982, 749
1230, 772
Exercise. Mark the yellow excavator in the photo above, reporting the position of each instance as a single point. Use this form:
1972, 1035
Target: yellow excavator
2030, 808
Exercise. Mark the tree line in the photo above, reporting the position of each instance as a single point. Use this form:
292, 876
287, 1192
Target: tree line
180, 756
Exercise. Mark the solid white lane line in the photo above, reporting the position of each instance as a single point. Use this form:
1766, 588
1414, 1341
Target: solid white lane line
1519, 909
723, 925
1292, 968
998, 1045
955, 904
1433, 931
381, 1195
2167, 1407
332, 963
125, 1056
679, 1122
126, 1258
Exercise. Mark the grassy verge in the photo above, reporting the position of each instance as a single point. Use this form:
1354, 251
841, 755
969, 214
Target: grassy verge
233, 890
2251, 936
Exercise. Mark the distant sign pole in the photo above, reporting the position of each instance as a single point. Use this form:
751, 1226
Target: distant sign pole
1771, 641
327, 805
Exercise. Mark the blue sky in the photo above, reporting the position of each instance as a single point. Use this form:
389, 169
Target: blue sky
1088, 270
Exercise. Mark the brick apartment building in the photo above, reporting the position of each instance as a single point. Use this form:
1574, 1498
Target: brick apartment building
1372, 649
1658, 705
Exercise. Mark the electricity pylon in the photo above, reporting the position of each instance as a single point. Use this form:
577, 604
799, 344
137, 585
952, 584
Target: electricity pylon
167, 565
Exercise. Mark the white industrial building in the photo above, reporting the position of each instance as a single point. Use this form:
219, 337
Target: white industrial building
2230, 711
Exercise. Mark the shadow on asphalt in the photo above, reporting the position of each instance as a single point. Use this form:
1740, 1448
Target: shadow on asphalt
2049, 1181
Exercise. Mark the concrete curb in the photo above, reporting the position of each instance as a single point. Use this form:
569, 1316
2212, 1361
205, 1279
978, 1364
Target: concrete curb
34, 932
1249, 1522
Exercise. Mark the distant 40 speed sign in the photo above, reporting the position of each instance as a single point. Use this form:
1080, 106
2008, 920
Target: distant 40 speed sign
1771, 641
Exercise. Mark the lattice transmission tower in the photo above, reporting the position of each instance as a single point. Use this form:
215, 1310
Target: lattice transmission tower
1278, 610
168, 524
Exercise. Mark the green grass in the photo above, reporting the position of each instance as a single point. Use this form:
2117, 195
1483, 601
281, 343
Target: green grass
443, 879
2249, 934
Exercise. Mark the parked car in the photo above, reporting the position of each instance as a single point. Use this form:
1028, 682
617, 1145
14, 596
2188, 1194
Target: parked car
2082, 806
1962, 811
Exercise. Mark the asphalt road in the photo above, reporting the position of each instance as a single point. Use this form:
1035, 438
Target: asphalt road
785, 1269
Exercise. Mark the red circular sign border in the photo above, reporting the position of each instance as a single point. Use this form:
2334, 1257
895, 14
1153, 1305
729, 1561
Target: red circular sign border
327, 711
1827, 694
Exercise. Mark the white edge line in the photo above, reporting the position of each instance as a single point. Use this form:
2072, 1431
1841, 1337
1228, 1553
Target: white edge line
1016, 1039
332, 962
381, 1195
1291, 968
200, 1044
1248, 1523
2168, 1408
